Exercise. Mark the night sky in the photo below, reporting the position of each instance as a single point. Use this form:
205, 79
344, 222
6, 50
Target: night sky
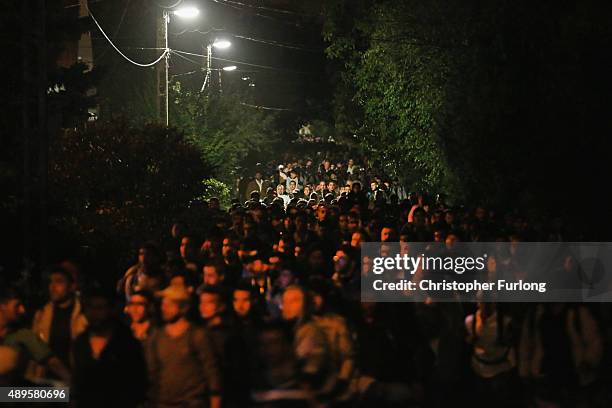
287, 46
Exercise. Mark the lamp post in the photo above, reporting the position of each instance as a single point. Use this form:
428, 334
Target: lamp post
220, 44
183, 12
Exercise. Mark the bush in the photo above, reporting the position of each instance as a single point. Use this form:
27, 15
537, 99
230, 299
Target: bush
114, 185
218, 189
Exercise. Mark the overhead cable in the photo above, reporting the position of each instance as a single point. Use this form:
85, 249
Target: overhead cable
244, 63
119, 51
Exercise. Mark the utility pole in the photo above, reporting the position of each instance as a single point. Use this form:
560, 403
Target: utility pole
167, 67
162, 72
220, 73
162, 42
208, 77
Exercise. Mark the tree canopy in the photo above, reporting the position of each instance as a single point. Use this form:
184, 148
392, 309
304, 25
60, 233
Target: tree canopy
479, 99
231, 133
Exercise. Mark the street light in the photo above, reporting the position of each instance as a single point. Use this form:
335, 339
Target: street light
187, 12
222, 44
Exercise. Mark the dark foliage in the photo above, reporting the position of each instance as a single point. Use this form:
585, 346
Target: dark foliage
114, 182
502, 102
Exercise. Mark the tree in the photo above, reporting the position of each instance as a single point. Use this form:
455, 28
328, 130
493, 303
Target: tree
115, 184
395, 83
230, 133
484, 100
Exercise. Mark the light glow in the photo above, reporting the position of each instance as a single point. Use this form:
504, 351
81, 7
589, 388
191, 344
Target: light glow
222, 44
187, 12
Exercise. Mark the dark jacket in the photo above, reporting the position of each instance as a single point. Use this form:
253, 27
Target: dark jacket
117, 378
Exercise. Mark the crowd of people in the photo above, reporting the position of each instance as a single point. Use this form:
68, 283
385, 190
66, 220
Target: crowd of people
297, 178
264, 310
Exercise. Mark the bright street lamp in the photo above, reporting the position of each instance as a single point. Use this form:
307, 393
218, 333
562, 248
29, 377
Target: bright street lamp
230, 68
222, 44
187, 12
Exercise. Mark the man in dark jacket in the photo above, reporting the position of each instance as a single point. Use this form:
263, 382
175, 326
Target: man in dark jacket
108, 363
257, 184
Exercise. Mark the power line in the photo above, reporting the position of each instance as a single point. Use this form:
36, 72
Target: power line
118, 50
244, 63
259, 40
265, 107
257, 14
186, 73
272, 9
201, 64
277, 44
185, 58
187, 30
201, 71
243, 37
